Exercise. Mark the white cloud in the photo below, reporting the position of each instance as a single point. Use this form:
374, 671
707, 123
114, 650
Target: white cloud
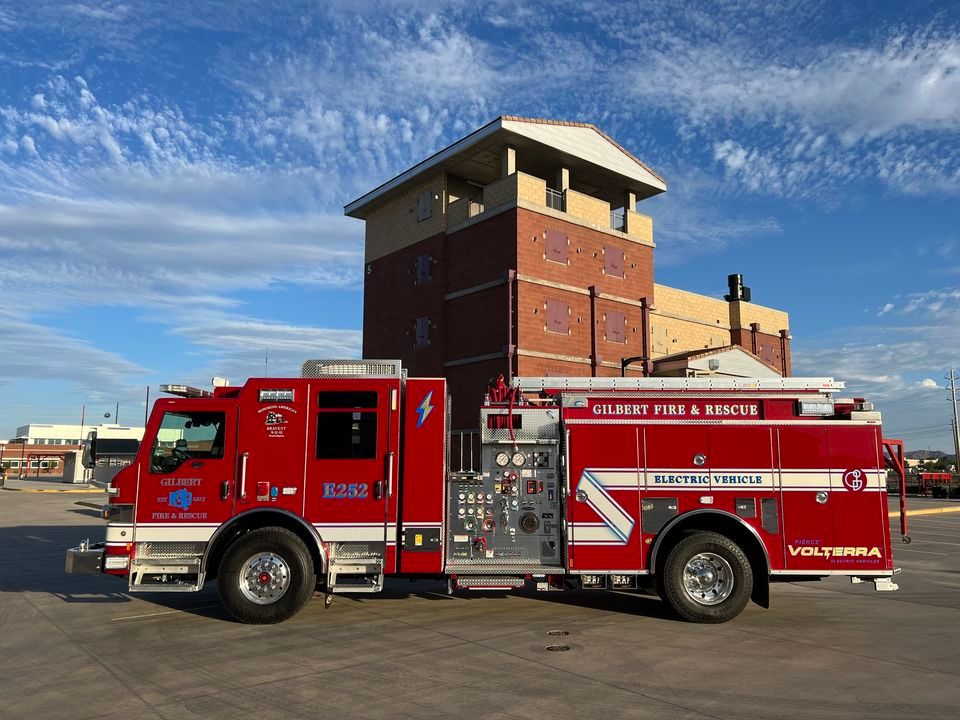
885, 309
37, 353
928, 384
237, 345
908, 82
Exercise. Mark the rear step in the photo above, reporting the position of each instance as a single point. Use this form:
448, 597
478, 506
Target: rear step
487, 582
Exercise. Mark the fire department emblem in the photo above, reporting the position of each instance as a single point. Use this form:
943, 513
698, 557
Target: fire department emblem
275, 418
181, 499
855, 480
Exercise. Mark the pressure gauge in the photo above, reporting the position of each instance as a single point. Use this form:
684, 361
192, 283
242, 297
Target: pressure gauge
502, 459
519, 459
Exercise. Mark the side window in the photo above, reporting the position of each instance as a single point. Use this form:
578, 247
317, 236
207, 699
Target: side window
558, 317
347, 425
422, 268
613, 261
616, 327
556, 247
186, 435
421, 336
424, 205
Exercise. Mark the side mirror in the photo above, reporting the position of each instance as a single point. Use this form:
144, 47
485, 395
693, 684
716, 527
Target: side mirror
90, 450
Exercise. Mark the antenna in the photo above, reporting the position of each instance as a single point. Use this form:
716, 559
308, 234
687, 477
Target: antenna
266, 358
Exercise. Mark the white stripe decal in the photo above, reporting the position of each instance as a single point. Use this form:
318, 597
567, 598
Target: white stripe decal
616, 518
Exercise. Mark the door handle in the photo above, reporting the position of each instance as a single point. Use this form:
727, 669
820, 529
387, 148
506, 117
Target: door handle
225, 490
243, 475
196, 464
378, 490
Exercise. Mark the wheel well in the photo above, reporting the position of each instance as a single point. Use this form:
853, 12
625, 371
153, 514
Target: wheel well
254, 521
728, 526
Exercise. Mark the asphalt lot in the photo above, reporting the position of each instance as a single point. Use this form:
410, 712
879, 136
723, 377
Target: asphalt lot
80, 647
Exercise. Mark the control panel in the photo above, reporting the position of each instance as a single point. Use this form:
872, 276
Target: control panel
510, 512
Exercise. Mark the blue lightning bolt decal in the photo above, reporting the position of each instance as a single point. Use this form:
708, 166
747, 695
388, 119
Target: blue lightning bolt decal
425, 408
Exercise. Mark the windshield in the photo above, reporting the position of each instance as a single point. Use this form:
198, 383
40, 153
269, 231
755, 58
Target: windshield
186, 435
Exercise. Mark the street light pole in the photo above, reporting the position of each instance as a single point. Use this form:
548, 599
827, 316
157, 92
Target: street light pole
956, 430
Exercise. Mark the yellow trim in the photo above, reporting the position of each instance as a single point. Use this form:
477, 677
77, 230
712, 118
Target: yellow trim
55, 490
928, 511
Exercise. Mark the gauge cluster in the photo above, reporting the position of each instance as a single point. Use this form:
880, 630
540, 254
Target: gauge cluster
510, 512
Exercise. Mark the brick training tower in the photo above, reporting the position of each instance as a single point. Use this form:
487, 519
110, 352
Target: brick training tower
519, 250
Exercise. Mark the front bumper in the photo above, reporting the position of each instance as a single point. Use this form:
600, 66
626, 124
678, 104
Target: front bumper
85, 559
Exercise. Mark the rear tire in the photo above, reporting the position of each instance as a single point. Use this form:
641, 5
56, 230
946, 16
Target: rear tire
707, 578
266, 576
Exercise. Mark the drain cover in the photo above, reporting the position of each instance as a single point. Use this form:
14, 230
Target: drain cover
557, 633
557, 648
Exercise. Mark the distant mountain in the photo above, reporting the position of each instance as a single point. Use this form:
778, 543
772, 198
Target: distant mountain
927, 455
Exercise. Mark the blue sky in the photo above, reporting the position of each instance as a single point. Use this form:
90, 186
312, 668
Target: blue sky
172, 177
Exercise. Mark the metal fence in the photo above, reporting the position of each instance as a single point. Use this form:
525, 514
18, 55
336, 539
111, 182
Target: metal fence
555, 200
617, 220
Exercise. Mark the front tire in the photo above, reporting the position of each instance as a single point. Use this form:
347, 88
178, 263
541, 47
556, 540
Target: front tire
707, 578
266, 576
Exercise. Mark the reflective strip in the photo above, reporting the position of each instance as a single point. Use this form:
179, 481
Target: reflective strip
616, 518
593, 534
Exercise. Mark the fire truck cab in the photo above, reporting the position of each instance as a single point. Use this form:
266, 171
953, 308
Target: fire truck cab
704, 489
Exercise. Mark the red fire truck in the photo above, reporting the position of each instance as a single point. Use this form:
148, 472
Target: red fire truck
705, 489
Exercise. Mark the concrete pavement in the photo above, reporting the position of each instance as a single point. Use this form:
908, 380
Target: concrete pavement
82, 648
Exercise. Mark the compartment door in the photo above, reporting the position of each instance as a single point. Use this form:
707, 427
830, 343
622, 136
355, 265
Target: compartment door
807, 498
603, 507
351, 493
186, 479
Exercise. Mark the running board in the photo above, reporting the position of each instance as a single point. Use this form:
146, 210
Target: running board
171, 577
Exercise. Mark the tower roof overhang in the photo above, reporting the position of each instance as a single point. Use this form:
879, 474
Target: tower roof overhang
598, 165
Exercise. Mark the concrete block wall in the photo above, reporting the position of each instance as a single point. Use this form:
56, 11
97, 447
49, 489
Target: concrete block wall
743, 314
394, 226
682, 321
590, 209
500, 192
639, 227
531, 189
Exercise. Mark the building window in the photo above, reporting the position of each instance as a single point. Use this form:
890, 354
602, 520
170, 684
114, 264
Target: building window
558, 317
613, 261
422, 331
556, 249
422, 269
616, 327
424, 205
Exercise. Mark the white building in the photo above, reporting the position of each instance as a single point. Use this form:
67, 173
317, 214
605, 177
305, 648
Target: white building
45, 434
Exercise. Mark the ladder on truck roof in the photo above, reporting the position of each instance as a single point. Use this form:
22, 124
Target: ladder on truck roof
589, 384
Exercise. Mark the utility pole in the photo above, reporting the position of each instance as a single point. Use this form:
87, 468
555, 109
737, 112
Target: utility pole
952, 377
116, 415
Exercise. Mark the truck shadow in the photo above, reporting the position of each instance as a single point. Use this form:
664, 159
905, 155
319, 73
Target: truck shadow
35, 564
637, 603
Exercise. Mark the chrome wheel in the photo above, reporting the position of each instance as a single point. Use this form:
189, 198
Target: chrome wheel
264, 578
708, 579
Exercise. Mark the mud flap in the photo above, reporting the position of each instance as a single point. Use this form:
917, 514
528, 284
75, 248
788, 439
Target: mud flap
761, 593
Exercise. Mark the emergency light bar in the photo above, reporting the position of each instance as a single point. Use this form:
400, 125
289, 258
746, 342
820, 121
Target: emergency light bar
185, 391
